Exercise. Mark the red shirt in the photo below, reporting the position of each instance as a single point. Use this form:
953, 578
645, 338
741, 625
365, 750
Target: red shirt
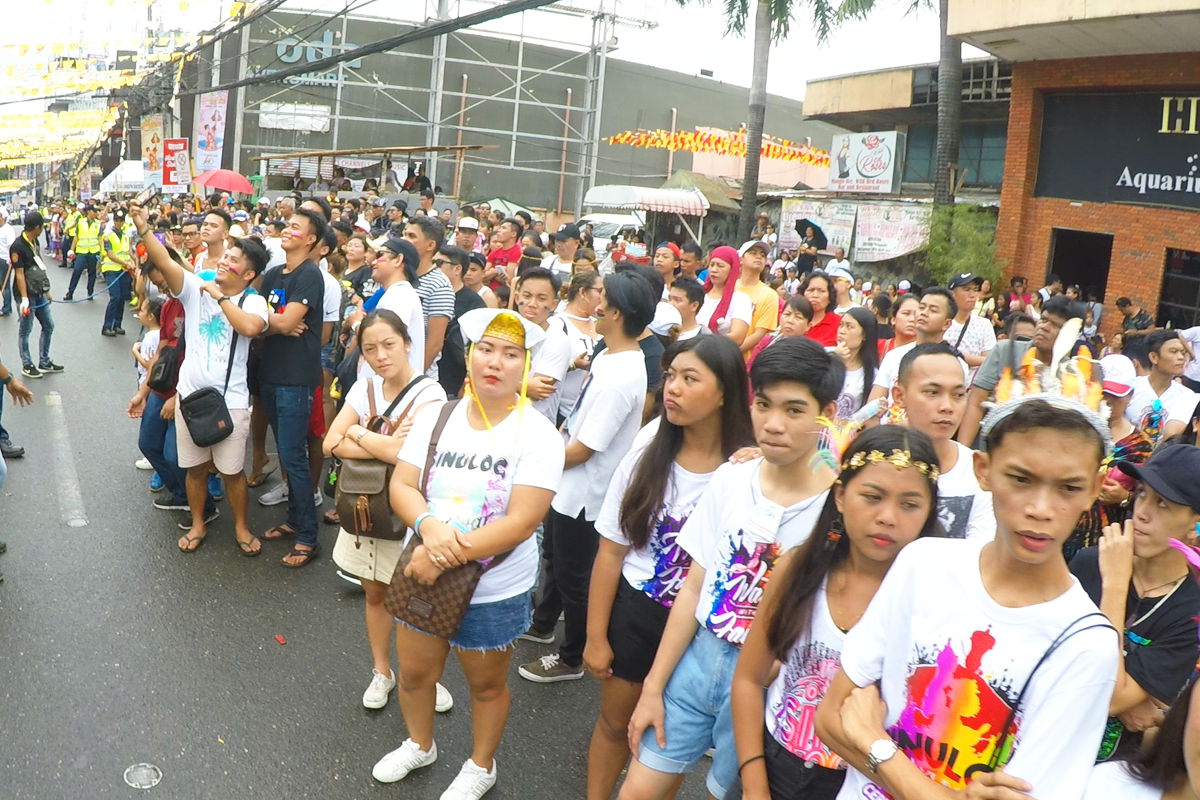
500, 259
170, 321
825, 332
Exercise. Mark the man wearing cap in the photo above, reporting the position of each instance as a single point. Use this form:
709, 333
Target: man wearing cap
396, 213
566, 245
973, 337
84, 252
8, 235
77, 213
1145, 588
31, 285
116, 265
375, 218
765, 317
466, 235
666, 261
842, 281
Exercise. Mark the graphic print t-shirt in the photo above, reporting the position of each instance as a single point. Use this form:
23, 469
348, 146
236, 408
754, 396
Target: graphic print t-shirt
473, 475
736, 564
293, 360
951, 662
964, 510
659, 569
1176, 404
793, 697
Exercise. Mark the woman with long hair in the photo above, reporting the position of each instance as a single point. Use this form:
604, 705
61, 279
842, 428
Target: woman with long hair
358, 268
397, 393
885, 497
858, 348
904, 324
639, 567
579, 315
818, 291
726, 310
475, 478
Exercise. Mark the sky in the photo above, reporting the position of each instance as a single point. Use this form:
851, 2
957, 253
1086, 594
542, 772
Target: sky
685, 39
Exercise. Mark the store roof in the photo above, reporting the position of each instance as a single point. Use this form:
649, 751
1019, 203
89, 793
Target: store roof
719, 194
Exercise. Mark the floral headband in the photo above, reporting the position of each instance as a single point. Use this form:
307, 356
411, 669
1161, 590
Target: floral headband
900, 459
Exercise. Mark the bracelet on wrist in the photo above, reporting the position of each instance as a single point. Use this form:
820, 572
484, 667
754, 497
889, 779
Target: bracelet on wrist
417, 522
750, 760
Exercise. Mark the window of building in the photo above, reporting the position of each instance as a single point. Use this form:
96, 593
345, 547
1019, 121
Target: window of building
983, 81
1179, 303
980, 151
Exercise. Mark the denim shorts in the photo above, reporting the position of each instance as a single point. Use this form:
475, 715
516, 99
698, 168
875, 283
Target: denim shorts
327, 362
696, 715
492, 626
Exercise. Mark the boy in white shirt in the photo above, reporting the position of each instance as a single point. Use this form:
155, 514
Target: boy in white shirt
984, 662
537, 297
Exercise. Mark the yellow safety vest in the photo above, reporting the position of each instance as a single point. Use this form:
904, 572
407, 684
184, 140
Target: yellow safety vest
118, 246
69, 223
87, 236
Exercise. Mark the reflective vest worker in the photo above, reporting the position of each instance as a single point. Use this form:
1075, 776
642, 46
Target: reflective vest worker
87, 236
116, 249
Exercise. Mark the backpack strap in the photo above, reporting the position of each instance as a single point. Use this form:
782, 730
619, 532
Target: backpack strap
434, 437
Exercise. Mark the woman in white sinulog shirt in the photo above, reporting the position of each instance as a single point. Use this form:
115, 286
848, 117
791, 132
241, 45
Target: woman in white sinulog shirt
494, 469
639, 567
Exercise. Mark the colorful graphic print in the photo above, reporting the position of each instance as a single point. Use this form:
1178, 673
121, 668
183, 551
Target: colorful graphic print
952, 721
738, 586
671, 561
467, 490
806, 676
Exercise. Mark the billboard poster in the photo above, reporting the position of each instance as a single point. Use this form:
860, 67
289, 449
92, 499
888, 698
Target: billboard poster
865, 162
209, 130
176, 167
889, 230
834, 218
152, 148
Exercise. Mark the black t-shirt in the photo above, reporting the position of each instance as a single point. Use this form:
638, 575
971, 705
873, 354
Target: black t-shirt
1160, 650
358, 280
294, 360
452, 368
23, 256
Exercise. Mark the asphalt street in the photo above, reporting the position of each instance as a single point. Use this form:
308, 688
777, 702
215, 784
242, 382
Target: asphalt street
117, 649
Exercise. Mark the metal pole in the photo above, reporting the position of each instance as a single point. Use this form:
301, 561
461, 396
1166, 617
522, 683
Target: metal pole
589, 117
671, 153
458, 158
562, 164
337, 99
607, 34
239, 121
512, 148
437, 75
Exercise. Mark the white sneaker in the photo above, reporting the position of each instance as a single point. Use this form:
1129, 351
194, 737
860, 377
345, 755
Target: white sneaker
276, 496
381, 686
444, 701
318, 498
143, 464
472, 782
397, 764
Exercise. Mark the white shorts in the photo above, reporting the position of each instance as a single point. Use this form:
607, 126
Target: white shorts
369, 559
229, 455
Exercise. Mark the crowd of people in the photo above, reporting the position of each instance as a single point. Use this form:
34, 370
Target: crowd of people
851, 542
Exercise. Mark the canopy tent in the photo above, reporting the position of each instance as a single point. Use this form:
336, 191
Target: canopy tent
714, 192
681, 202
128, 177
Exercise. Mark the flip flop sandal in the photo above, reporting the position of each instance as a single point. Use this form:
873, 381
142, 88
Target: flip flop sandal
262, 479
331, 518
189, 540
280, 531
308, 555
241, 547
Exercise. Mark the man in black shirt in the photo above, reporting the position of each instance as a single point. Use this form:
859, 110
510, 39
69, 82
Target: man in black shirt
32, 286
452, 368
291, 371
1144, 587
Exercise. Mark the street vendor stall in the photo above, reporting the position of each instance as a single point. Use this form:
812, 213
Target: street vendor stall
660, 205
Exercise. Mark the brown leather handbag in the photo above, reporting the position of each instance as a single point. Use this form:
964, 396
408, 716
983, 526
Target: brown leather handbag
362, 498
438, 609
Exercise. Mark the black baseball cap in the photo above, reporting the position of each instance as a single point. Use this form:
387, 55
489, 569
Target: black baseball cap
1171, 472
404, 249
33, 219
963, 279
400, 204
568, 231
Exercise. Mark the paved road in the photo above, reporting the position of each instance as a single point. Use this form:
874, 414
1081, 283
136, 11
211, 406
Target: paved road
116, 649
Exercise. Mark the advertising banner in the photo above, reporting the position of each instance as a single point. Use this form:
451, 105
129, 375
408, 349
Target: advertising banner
889, 230
176, 169
865, 162
835, 219
152, 144
209, 130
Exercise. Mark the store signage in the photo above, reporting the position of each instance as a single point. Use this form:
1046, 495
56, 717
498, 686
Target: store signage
865, 162
836, 221
291, 50
176, 166
1132, 147
889, 230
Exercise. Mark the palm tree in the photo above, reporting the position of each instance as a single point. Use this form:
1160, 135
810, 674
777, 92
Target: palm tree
949, 111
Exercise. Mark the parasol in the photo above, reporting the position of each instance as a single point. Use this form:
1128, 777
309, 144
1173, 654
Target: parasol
819, 238
225, 180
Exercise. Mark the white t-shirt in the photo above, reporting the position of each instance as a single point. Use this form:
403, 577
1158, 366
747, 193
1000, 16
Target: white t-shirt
736, 564
207, 332
889, 368
606, 417
551, 357
658, 570
834, 263
803, 679
1112, 781
333, 298
741, 307
699, 330
472, 478
403, 299
146, 349
572, 384
1177, 404
552, 263
850, 399
951, 662
1192, 337
980, 338
427, 391
964, 510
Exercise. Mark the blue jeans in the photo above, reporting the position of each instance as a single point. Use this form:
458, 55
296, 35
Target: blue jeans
156, 440
39, 307
6, 308
119, 291
3, 433
287, 409
84, 261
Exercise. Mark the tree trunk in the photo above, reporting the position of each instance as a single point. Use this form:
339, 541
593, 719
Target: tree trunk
754, 122
949, 111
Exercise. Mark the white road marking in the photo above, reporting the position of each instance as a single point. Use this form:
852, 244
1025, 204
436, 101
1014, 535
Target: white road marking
70, 497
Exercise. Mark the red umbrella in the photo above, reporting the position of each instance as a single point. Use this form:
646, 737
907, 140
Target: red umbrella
225, 180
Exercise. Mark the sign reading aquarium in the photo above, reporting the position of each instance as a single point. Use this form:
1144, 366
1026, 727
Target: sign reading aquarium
1131, 147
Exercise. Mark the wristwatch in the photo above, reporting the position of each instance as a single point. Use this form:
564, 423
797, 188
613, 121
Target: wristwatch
881, 750
7, 379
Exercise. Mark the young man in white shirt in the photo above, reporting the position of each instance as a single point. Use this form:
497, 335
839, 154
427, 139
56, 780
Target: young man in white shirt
839, 261
566, 245
936, 311
687, 295
600, 430
1166, 358
214, 233
537, 297
982, 666
842, 280
932, 391
972, 336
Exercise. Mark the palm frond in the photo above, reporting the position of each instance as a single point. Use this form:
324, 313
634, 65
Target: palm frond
918, 5
857, 9
736, 14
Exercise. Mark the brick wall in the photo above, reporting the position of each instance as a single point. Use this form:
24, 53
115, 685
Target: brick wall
1141, 235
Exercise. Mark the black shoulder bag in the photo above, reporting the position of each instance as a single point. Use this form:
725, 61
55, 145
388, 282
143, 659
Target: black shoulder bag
164, 373
204, 410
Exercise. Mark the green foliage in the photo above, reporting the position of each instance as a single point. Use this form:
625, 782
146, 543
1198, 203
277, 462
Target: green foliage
824, 15
962, 238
